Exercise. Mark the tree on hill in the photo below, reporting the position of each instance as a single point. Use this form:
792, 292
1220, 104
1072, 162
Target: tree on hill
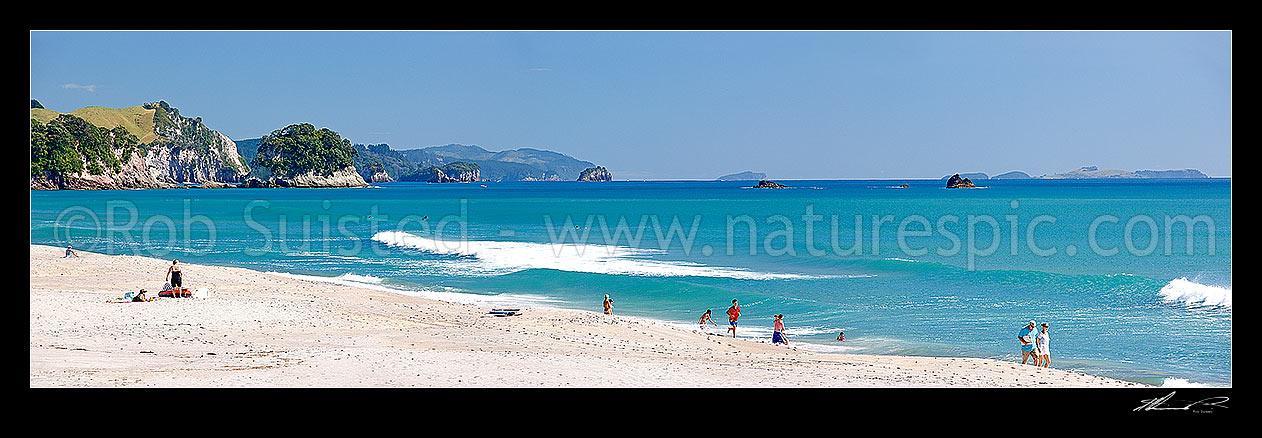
69, 145
301, 148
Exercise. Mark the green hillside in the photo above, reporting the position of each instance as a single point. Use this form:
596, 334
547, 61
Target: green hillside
510, 165
135, 119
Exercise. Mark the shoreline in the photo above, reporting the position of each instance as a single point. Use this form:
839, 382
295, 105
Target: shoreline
262, 329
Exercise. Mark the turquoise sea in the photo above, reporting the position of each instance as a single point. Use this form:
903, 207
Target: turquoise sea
1133, 276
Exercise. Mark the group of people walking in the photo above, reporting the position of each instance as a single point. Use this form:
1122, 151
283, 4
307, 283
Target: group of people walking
1035, 345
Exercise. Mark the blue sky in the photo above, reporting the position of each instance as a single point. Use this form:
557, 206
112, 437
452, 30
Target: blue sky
692, 105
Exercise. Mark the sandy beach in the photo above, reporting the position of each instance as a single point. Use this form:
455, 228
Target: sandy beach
261, 329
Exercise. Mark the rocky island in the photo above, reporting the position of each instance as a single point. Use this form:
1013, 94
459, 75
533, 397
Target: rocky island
955, 182
764, 184
597, 173
299, 155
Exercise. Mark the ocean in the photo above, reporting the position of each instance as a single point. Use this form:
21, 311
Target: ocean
1132, 276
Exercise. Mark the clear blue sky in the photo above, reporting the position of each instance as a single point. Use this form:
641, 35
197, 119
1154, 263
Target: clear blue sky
692, 105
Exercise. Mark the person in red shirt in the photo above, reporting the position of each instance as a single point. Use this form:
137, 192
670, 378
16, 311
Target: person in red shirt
733, 313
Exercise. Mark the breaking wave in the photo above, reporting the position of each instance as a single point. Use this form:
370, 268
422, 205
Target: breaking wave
1189, 293
500, 257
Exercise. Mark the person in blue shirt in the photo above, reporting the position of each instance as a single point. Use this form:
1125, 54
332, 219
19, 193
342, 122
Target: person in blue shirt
1026, 336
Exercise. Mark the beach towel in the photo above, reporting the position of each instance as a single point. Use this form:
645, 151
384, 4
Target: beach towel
176, 293
128, 297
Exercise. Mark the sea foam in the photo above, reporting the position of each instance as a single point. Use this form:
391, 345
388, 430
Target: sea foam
501, 257
1189, 293
1171, 382
375, 283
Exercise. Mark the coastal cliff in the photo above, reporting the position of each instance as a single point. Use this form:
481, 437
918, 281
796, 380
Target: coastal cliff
598, 173
457, 172
141, 147
346, 177
380, 177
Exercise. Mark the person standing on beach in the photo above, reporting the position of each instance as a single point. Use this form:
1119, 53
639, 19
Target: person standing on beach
608, 305
1026, 337
1042, 348
733, 313
777, 331
70, 253
175, 276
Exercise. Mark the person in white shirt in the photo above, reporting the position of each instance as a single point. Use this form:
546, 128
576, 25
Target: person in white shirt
1041, 346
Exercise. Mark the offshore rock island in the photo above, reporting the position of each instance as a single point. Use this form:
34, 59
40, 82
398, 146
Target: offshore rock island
764, 184
597, 173
955, 182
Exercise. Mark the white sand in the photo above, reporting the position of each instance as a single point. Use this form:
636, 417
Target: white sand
265, 330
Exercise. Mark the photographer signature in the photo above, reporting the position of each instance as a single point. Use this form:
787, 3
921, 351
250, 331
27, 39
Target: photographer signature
1156, 404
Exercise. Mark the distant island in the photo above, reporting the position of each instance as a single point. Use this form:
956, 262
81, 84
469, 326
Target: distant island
764, 184
1088, 172
743, 176
1095, 172
1016, 174
969, 176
